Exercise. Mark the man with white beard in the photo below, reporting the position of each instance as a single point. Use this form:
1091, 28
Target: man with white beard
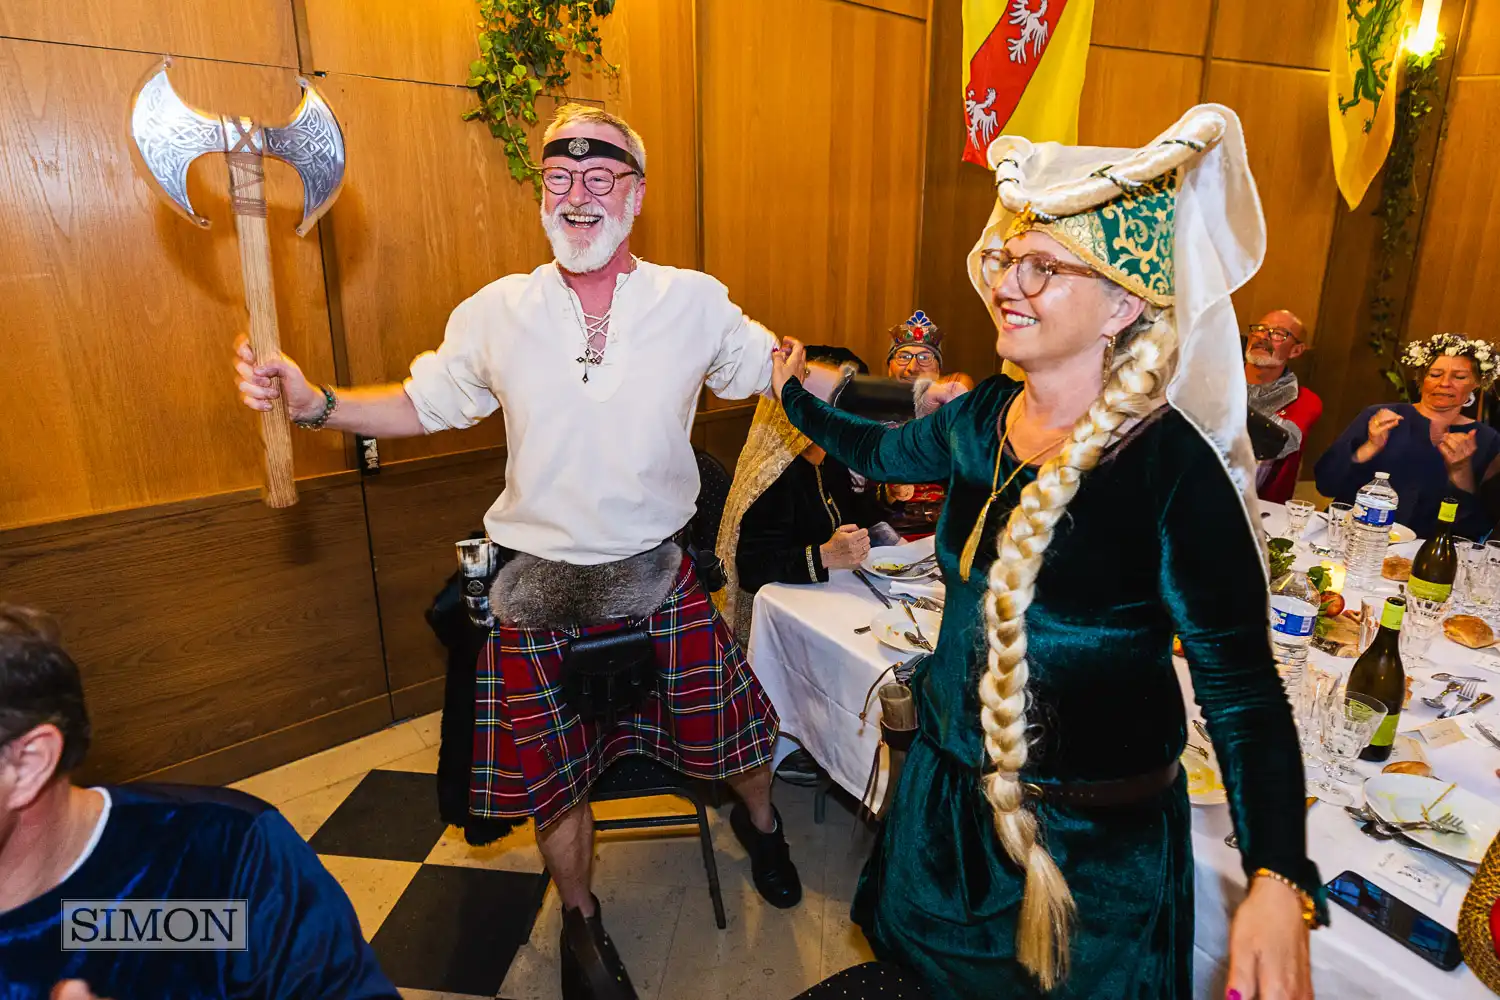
1278, 338
606, 643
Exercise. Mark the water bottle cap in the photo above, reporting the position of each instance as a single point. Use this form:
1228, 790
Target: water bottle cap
1382, 475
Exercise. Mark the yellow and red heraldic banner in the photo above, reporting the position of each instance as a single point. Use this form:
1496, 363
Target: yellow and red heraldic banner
1024, 62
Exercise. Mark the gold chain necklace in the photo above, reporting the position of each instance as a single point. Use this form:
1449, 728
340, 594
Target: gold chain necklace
829, 507
971, 546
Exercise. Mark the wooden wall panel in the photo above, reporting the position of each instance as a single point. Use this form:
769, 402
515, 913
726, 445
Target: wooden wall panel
117, 390
1179, 26
417, 511
428, 216
208, 623
1275, 32
1480, 52
1285, 115
1458, 266
248, 31
430, 42
1129, 96
812, 165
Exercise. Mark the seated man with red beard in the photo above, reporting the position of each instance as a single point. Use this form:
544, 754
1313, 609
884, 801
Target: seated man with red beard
606, 643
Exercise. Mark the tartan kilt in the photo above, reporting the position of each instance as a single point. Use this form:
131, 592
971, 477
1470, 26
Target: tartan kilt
534, 757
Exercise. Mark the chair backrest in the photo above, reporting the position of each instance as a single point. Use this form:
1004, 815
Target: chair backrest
713, 493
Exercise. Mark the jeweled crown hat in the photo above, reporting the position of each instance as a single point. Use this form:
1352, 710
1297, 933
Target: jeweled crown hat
917, 331
1178, 223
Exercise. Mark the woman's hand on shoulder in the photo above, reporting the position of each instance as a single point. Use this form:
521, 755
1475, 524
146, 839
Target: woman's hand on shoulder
1268, 946
787, 362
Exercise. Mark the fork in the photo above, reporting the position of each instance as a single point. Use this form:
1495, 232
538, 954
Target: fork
921, 639
1446, 823
1465, 695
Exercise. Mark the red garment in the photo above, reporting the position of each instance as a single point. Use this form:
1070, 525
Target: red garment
1303, 411
534, 757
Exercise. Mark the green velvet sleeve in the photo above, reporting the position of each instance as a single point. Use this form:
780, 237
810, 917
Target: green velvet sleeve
1215, 590
916, 452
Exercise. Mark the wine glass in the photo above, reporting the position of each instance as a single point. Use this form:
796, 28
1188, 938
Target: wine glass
1310, 708
1297, 514
1340, 516
1351, 720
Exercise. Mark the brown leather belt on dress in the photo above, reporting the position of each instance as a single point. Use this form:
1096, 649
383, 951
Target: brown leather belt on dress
1107, 794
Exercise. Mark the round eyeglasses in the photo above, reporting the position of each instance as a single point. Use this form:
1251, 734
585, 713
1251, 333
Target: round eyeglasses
1275, 334
914, 357
596, 180
1033, 270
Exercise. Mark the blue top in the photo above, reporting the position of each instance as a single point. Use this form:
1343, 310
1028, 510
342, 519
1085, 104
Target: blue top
1419, 475
187, 843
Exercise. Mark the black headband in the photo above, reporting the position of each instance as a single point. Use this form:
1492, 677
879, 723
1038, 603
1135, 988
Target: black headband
580, 148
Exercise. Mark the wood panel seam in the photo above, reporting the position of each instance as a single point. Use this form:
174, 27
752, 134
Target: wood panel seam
146, 52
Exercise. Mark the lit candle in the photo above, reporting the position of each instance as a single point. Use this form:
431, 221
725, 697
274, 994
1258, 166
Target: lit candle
1336, 572
1425, 38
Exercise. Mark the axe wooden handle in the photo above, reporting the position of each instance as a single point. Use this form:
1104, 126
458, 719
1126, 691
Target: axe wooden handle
247, 195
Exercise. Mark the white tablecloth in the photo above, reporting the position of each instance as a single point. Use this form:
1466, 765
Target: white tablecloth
817, 672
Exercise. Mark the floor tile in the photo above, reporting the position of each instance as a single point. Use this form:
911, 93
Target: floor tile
389, 814
765, 952
372, 886
515, 852
456, 930
844, 943
641, 920
308, 812
332, 766
430, 995
424, 761
429, 727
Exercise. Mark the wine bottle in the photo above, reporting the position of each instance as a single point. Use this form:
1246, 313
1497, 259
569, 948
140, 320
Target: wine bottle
1436, 565
1379, 674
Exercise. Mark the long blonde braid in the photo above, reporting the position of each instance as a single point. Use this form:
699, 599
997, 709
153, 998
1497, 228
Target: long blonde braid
1142, 368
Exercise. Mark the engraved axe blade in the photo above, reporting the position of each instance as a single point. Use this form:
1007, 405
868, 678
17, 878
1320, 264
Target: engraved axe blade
313, 143
168, 136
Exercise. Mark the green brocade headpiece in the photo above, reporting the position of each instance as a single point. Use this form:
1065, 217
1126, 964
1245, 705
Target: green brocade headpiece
1128, 240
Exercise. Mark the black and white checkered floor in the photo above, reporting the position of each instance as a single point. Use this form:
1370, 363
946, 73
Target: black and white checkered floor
453, 922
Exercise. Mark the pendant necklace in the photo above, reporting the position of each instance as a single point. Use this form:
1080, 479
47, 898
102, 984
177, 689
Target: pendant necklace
595, 329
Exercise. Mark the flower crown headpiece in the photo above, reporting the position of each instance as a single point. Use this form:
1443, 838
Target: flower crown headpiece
1422, 353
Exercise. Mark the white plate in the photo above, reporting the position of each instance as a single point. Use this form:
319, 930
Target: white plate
890, 625
1399, 798
1401, 534
897, 555
1205, 786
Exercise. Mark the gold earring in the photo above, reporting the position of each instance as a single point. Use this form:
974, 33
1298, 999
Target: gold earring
1109, 357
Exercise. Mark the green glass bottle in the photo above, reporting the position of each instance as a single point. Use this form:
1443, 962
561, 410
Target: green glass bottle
1378, 673
1436, 565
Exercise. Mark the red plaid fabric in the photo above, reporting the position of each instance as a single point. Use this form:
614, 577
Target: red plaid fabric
534, 757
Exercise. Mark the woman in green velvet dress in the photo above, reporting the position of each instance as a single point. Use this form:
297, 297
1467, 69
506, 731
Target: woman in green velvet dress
1039, 843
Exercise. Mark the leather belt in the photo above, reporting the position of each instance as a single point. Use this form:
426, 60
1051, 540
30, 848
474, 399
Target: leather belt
1107, 794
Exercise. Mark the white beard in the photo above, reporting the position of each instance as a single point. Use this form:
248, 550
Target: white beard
1261, 359
583, 253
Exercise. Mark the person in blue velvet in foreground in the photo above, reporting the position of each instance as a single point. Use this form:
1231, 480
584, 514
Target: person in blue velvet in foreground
59, 842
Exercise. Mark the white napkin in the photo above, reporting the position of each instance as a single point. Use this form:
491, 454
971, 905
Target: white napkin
919, 588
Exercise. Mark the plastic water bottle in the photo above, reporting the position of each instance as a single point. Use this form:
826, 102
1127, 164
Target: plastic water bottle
1370, 532
1294, 612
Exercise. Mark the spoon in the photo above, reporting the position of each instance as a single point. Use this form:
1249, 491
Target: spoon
917, 641
1455, 677
1439, 702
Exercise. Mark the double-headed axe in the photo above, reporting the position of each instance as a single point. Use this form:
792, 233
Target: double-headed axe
169, 136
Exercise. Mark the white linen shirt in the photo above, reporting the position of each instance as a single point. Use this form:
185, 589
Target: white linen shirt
601, 470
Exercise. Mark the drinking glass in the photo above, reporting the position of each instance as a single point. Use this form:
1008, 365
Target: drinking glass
1351, 720
1419, 628
1476, 578
1370, 609
1491, 578
1311, 701
1461, 578
1340, 516
1297, 514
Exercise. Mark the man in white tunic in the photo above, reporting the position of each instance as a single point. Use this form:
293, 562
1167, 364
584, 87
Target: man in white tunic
596, 361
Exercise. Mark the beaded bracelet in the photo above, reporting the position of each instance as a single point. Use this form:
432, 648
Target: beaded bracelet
330, 403
1309, 907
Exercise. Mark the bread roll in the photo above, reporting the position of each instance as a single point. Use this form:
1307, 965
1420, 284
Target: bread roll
1468, 630
1396, 568
1408, 767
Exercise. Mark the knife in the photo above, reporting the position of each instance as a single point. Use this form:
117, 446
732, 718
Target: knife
873, 589
1488, 734
1473, 706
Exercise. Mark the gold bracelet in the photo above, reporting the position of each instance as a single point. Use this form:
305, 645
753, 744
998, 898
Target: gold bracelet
1309, 907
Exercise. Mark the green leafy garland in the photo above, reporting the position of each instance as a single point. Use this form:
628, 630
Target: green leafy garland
523, 49
1398, 203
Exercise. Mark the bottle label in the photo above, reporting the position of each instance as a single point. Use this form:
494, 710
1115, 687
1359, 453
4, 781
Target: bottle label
1425, 591
1448, 511
1286, 623
1376, 517
1392, 615
1386, 734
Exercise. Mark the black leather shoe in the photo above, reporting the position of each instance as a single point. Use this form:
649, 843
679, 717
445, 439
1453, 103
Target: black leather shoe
770, 859
591, 968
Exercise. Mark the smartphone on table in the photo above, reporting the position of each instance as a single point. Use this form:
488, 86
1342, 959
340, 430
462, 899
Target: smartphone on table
1381, 909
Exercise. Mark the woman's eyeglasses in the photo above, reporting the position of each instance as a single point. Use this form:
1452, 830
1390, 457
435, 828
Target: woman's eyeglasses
596, 180
1033, 270
1275, 334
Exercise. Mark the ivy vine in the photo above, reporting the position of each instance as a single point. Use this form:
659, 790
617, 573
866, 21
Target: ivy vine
524, 46
1398, 204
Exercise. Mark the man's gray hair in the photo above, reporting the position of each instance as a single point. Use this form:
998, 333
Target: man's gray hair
570, 113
